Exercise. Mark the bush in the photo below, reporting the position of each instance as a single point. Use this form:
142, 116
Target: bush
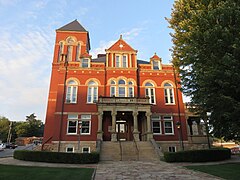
56, 157
205, 155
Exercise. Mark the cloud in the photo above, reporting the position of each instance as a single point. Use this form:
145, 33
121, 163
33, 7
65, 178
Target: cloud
24, 73
127, 35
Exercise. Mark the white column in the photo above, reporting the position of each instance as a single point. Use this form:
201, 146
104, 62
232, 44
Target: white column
107, 60
149, 129
100, 131
114, 134
135, 126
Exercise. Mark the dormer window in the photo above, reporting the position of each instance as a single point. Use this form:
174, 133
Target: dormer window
85, 63
155, 65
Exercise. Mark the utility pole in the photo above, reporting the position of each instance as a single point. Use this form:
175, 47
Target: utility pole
9, 133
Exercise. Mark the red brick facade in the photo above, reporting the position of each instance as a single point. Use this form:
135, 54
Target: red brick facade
115, 96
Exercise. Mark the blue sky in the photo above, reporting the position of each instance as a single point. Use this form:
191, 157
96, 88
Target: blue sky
27, 37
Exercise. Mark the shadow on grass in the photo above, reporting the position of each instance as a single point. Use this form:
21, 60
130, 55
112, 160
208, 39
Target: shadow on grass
9, 172
226, 171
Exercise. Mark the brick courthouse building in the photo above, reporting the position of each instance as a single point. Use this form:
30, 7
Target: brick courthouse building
114, 97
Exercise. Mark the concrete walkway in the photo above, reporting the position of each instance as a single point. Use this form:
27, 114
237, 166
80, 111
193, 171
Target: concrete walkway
109, 170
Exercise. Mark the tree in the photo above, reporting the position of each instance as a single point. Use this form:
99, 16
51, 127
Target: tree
206, 53
32, 127
4, 127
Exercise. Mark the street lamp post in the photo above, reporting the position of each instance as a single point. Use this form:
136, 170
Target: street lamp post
79, 127
64, 58
178, 125
207, 128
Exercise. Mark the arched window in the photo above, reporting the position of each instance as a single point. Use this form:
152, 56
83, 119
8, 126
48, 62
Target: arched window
71, 96
78, 52
69, 53
150, 92
130, 89
92, 92
121, 88
60, 51
168, 93
112, 88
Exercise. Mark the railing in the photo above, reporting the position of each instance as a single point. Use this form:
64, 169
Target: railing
123, 100
121, 153
136, 148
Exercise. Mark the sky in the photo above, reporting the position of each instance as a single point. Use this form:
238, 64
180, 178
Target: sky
27, 37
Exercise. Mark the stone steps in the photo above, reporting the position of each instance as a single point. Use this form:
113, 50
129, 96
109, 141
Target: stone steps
127, 151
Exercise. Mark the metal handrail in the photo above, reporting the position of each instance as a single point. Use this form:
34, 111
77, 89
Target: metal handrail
121, 153
135, 143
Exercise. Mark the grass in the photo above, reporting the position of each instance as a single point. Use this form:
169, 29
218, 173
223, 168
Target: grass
226, 171
9, 172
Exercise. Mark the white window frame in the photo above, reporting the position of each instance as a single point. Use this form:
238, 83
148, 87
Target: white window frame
167, 94
91, 96
130, 86
70, 151
78, 51
85, 118
152, 96
60, 51
172, 149
69, 52
82, 62
155, 62
89, 150
158, 120
119, 63
72, 118
70, 92
168, 119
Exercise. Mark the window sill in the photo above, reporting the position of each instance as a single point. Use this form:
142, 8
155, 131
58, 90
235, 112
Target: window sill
70, 103
71, 134
168, 104
169, 134
85, 134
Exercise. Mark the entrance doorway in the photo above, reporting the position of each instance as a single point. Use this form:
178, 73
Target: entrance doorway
122, 130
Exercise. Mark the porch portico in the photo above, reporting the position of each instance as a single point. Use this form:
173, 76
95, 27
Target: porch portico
124, 118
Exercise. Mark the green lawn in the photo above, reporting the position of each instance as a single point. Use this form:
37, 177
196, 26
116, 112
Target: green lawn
226, 171
9, 172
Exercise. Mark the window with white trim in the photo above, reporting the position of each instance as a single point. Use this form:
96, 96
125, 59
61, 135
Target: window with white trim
71, 95
172, 149
86, 150
168, 125
130, 89
60, 52
121, 61
121, 88
150, 92
69, 149
112, 88
168, 93
78, 51
69, 52
86, 124
72, 124
156, 125
155, 65
85, 63
92, 96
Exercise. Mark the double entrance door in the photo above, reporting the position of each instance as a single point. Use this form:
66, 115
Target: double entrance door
122, 130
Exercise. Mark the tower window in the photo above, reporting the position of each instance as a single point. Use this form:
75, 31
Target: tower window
85, 63
71, 95
168, 93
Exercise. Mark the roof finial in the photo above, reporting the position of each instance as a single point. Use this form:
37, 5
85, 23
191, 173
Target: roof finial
121, 36
155, 53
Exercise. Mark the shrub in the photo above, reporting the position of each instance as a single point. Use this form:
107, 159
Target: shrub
205, 155
57, 157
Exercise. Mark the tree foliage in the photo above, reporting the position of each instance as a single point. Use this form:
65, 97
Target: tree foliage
4, 127
206, 52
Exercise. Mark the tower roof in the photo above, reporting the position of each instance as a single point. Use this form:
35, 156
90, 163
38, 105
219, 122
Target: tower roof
73, 26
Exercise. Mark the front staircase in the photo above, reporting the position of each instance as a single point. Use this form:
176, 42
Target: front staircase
128, 151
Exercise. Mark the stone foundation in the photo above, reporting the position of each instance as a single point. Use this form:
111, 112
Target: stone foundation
164, 145
65, 144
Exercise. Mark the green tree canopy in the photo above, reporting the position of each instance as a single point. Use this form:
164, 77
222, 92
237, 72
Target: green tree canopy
4, 127
206, 52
